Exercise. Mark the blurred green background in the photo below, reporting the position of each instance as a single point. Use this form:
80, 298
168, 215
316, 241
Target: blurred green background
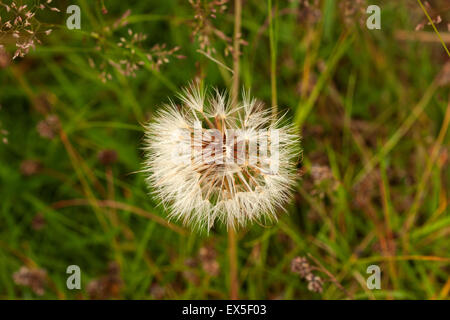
372, 106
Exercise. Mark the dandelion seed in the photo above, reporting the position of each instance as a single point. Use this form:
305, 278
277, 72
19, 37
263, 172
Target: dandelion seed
224, 173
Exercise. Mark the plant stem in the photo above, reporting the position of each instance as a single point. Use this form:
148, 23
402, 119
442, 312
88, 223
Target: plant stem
236, 49
234, 284
232, 240
273, 63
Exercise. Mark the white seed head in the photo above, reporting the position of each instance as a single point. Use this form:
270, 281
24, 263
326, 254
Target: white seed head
212, 158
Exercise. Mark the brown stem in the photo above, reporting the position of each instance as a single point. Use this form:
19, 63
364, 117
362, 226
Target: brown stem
234, 284
330, 276
120, 206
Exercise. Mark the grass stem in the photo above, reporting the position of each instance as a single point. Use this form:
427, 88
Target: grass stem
232, 251
273, 62
232, 241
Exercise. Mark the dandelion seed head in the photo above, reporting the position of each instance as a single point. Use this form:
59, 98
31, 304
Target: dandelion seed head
214, 159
